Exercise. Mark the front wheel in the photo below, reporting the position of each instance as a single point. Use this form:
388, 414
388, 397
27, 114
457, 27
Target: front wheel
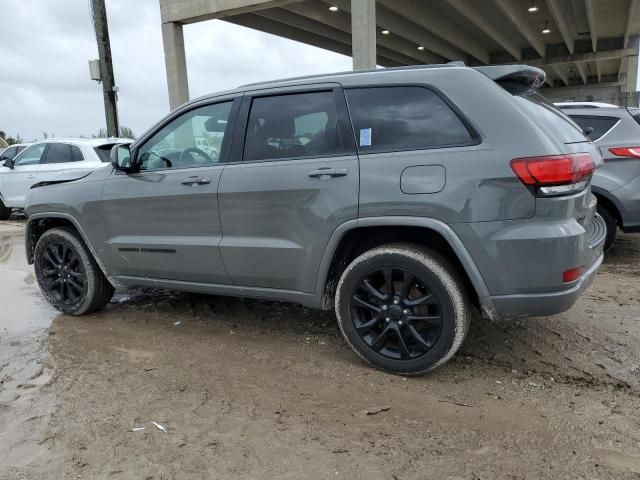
68, 275
403, 308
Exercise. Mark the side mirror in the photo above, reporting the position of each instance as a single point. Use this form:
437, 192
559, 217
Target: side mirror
121, 158
8, 163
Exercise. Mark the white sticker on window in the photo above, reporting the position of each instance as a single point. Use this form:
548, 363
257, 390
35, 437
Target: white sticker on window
365, 137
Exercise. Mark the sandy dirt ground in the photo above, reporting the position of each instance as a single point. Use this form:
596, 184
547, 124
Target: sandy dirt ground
251, 389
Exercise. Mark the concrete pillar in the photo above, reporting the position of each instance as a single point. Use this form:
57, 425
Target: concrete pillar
175, 63
363, 34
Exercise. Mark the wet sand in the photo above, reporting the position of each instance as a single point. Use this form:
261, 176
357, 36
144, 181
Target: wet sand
250, 389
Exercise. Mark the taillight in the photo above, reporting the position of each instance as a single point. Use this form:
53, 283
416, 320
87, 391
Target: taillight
626, 151
555, 174
572, 275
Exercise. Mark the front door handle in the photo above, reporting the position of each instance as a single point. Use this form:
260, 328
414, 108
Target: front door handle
195, 180
328, 172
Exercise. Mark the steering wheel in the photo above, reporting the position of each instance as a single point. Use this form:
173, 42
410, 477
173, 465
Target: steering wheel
191, 150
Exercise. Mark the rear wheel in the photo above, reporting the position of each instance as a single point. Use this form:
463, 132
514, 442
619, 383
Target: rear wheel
68, 275
611, 224
402, 308
5, 212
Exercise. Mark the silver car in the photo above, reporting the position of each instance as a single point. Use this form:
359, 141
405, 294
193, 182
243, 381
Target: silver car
616, 132
403, 198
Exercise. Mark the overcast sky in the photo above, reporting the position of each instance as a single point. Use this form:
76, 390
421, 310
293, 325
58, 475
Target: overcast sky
45, 46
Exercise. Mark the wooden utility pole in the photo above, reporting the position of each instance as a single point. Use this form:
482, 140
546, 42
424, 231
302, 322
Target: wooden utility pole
99, 13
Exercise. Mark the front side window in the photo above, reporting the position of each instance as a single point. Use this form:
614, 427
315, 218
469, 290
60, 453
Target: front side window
63, 153
594, 127
191, 140
292, 126
403, 118
31, 155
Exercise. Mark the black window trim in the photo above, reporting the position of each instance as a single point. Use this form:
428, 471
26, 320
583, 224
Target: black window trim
344, 128
476, 138
608, 117
225, 148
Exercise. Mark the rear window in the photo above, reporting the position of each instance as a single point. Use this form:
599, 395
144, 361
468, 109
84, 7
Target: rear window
389, 119
544, 113
598, 125
104, 152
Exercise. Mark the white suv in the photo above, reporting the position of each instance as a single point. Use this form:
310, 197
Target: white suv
51, 160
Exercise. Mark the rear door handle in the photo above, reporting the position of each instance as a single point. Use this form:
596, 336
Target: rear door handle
31, 175
195, 180
328, 172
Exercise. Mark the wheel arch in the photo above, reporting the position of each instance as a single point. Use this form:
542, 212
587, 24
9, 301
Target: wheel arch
356, 236
610, 202
39, 223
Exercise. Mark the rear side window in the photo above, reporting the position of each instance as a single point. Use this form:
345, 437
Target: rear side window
104, 152
403, 118
292, 126
63, 153
598, 125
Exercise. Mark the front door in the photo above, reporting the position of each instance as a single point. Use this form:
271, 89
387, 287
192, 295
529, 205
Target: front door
163, 222
18, 180
296, 183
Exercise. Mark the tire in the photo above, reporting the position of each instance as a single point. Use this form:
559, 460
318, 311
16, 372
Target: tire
431, 288
61, 252
5, 212
612, 226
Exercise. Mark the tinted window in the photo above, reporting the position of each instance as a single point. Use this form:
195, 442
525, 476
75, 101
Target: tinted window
600, 125
63, 153
401, 118
296, 125
31, 155
9, 153
191, 140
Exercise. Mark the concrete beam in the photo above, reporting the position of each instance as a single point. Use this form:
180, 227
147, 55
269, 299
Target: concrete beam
417, 11
582, 70
566, 28
583, 57
591, 16
175, 63
560, 72
518, 18
598, 70
632, 67
389, 43
631, 15
287, 31
474, 13
363, 34
411, 32
199, 10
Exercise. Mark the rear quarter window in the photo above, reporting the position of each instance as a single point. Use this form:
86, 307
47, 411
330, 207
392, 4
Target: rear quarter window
404, 118
598, 125
104, 152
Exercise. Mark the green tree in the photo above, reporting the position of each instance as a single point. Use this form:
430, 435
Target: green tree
125, 132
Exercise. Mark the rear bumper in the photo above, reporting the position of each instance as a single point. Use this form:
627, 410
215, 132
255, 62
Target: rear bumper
542, 304
561, 297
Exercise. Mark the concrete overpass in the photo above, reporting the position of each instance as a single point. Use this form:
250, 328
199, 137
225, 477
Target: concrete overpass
588, 48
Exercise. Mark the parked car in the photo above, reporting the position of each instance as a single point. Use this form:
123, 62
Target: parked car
52, 160
398, 197
616, 132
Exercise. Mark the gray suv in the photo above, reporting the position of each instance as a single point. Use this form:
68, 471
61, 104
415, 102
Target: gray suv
616, 131
403, 198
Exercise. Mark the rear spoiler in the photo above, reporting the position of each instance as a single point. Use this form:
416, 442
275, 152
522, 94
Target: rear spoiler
530, 76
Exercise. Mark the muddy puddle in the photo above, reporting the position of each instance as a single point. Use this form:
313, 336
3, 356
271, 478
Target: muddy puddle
164, 385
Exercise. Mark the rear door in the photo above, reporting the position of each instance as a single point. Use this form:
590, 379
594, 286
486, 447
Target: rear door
61, 157
18, 180
293, 181
163, 222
